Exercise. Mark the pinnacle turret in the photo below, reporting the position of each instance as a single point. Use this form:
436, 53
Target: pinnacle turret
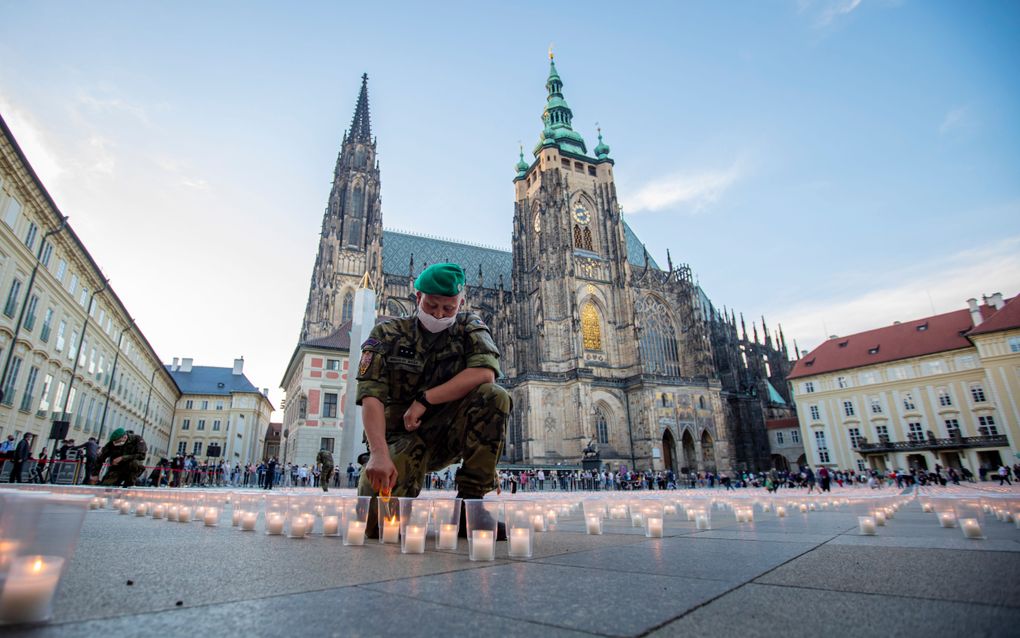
361, 125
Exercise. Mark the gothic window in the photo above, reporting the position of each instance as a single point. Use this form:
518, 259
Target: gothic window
591, 329
587, 239
347, 309
659, 352
578, 238
601, 426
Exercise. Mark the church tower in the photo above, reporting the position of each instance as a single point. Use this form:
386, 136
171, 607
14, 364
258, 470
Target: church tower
350, 244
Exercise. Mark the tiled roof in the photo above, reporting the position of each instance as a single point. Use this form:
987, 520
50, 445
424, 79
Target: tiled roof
210, 380
780, 424
339, 339
398, 247
273, 431
916, 338
1005, 319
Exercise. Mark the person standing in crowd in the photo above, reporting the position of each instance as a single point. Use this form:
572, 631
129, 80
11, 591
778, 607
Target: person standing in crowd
21, 453
270, 472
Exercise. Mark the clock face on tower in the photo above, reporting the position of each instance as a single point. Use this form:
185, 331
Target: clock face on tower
581, 214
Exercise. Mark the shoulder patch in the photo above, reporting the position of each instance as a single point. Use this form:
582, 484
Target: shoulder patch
366, 362
370, 342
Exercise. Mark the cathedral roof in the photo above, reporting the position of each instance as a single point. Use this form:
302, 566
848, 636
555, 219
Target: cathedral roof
399, 247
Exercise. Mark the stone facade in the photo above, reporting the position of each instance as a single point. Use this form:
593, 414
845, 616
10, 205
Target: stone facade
598, 342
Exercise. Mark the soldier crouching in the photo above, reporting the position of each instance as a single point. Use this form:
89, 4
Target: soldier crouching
426, 384
126, 454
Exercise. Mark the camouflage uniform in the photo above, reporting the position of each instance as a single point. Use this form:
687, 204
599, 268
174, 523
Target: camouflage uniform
325, 460
401, 359
132, 454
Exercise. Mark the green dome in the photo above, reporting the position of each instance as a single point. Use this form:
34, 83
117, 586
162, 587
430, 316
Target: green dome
602, 150
522, 166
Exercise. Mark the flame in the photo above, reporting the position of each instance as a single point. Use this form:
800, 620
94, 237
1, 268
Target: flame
37, 566
392, 520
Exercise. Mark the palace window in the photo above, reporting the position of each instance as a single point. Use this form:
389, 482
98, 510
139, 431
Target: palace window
945, 399
333, 364
823, 447
201, 424
876, 405
591, 329
809, 387
842, 382
986, 426
658, 346
952, 428
779, 438
815, 413
182, 447
916, 432
977, 392
848, 408
186, 424
855, 437
795, 436
329, 402
197, 450
908, 401
1014, 344
601, 426
882, 432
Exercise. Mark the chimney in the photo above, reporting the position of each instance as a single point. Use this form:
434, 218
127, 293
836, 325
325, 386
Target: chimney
975, 312
997, 301
174, 365
265, 392
239, 366
186, 364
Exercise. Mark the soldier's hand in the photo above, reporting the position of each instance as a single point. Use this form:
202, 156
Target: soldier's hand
412, 418
116, 460
381, 472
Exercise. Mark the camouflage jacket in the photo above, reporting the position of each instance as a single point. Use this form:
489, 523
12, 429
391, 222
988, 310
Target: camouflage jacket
401, 359
324, 458
134, 449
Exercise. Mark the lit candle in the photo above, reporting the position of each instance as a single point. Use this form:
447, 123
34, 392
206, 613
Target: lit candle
520, 542
414, 540
235, 518
391, 531
947, 519
971, 528
355, 533
879, 518
159, 512
28, 593
636, 520
171, 513
330, 525
866, 525
248, 520
298, 526
669, 509
701, 521
890, 512
594, 524
926, 507
211, 517
551, 517
142, 509
95, 503
447, 536
538, 523
811, 507
184, 514
780, 511
653, 527
803, 508
199, 512
125, 507
274, 524
483, 545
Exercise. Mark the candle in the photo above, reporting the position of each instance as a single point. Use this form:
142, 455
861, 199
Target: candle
159, 512
880, 518
184, 514
414, 540
538, 522
669, 509
171, 513
211, 517
28, 593
636, 520
199, 512
447, 536
811, 507
780, 511
248, 520
142, 509
551, 517
274, 524
355, 533
890, 512
971, 528
298, 526
125, 507
520, 542
330, 525
947, 519
653, 528
866, 525
701, 521
594, 525
803, 508
483, 545
95, 503
8, 550
926, 507
235, 518
391, 531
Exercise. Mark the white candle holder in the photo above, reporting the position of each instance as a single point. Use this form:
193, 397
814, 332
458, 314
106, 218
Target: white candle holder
520, 528
446, 520
866, 525
29, 589
355, 520
482, 525
415, 514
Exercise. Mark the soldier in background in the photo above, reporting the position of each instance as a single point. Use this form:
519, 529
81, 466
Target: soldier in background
426, 384
126, 453
325, 461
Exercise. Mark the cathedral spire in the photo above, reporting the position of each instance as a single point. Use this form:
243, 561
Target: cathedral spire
361, 125
557, 116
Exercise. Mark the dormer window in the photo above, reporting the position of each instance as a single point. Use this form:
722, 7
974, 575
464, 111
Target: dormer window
922, 327
873, 350
843, 344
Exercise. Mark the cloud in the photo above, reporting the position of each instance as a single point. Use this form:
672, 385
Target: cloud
199, 184
115, 104
834, 10
692, 190
956, 119
32, 139
908, 293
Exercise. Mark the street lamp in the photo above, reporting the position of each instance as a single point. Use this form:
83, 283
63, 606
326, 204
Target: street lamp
24, 304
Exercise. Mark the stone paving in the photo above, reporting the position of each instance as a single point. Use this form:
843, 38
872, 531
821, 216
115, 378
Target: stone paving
804, 575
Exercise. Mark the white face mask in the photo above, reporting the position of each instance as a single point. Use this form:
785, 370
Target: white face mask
433, 324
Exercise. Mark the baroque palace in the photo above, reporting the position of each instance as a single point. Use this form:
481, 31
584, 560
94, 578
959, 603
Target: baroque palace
599, 341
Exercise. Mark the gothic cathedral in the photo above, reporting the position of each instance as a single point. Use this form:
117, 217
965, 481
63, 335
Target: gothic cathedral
599, 343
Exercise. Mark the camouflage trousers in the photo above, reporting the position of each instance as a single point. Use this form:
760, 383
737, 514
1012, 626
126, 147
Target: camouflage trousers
325, 474
123, 474
472, 430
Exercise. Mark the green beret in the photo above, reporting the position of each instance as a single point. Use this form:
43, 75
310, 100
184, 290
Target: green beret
116, 434
446, 280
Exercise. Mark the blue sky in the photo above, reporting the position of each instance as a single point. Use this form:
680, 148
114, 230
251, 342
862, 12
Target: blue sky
831, 165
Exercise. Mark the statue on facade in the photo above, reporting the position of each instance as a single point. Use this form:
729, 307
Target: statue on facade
591, 451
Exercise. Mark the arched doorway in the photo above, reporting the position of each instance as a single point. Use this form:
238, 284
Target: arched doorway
690, 456
780, 463
917, 461
669, 451
708, 451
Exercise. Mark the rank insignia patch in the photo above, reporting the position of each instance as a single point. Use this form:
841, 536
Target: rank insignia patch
366, 362
370, 342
